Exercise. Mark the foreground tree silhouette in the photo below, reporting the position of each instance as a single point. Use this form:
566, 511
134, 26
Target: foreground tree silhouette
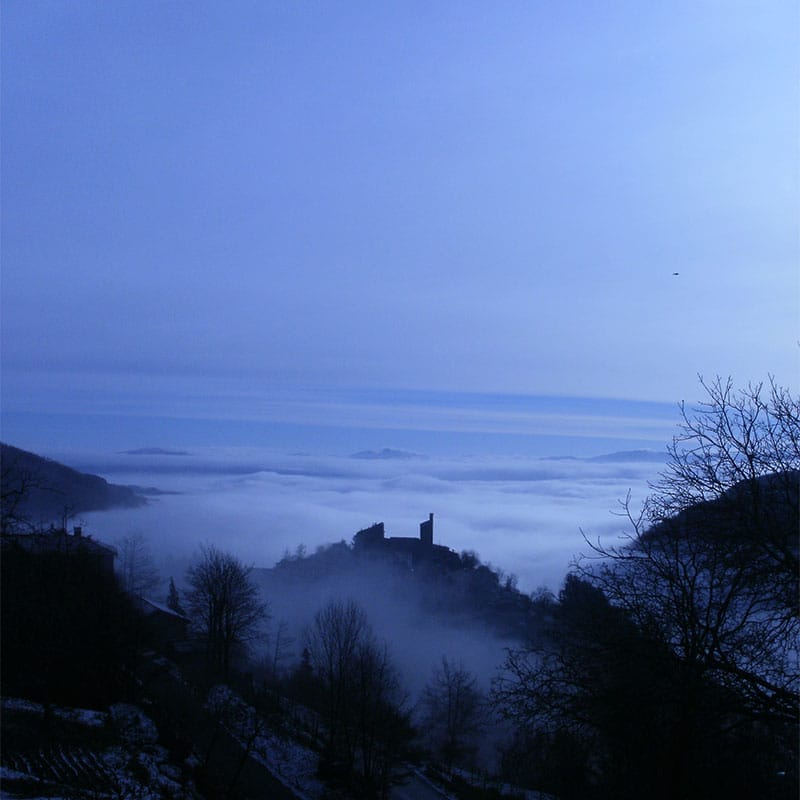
691, 623
224, 605
17, 482
711, 565
452, 712
367, 728
590, 701
137, 570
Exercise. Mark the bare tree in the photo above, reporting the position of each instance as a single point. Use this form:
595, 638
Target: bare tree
711, 563
137, 569
452, 712
590, 701
731, 438
278, 649
17, 481
225, 606
333, 643
678, 646
366, 725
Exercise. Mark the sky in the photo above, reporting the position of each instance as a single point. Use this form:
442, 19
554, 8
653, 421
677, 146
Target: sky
219, 206
310, 229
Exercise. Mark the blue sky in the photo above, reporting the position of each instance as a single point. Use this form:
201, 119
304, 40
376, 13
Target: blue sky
208, 206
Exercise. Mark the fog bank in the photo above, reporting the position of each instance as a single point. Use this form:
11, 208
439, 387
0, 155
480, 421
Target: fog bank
522, 514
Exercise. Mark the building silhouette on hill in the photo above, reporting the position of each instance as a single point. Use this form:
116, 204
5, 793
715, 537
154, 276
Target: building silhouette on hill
412, 551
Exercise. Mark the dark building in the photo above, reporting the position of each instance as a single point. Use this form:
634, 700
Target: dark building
409, 550
426, 532
171, 627
371, 537
57, 540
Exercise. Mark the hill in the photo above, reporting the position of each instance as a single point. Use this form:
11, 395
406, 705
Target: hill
395, 582
37, 491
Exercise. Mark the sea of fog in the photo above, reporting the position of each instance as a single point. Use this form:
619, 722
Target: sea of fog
520, 481
524, 514
514, 478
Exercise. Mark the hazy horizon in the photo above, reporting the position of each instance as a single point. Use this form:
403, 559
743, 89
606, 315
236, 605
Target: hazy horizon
473, 232
519, 501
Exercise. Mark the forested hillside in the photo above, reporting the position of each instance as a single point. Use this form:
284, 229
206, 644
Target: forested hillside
37, 491
460, 591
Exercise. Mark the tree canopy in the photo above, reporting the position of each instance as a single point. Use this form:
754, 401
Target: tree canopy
674, 653
225, 605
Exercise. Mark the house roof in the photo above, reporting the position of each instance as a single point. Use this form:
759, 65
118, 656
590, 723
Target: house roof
152, 607
57, 540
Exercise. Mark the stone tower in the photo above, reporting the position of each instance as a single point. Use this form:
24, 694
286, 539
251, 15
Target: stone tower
426, 532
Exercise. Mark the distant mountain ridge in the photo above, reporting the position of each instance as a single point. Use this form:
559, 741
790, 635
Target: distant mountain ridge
659, 457
386, 453
37, 491
155, 451
620, 457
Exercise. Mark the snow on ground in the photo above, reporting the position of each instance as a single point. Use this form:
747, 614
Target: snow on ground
294, 765
503, 788
108, 771
133, 726
80, 716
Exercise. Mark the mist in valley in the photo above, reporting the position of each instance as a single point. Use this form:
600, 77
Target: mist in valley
522, 514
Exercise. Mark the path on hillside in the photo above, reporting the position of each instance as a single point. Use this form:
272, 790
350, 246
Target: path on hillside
417, 788
176, 701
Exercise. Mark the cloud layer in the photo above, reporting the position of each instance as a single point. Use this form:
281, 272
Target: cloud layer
523, 515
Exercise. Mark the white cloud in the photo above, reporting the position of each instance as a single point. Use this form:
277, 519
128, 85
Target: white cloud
523, 515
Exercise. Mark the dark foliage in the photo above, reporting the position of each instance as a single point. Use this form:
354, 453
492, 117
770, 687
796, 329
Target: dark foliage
452, 714
669, 663
350, 675
225, 606
69, 633
712, 566
36, 491
459, 589
604, 711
